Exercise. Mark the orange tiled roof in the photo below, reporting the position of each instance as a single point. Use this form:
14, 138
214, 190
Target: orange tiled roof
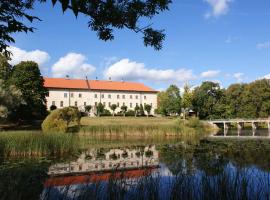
95, 85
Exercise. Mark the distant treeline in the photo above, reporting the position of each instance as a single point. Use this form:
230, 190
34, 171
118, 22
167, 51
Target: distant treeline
210, 101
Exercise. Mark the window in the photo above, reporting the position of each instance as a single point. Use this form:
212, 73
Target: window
75, 103
144, 97
109, 96
61, 103
80, 95
123, 104
71, 95
151, 104
109, 103
118, 104
65, 95
48, 94
102, 96
84, 103
137, 104
118, 96
130, 105
136, 96
130, 96
104, 103
95, 95
53, 103
123, 96
95, 103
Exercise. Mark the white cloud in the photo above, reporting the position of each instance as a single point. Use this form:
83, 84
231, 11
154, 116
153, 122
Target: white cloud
129, 70
264, 45
219, 7
74, 65
19, 55
210, 74
239, 76
267, 76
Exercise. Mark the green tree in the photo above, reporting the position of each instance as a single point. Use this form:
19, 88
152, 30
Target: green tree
10, 100
162, 102
124, 110
27, 78
148, 109
104, 17
136, 109
88, 108
205, 97
141, 110
187, 99
113, 108
100, 108
5, 69
60, 119
174, 103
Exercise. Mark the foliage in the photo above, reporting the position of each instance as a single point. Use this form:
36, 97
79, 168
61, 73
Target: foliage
148, 109
5, 69
124, 109
10, 100
130, 113
53, 107
136, 109
141, 110
88, 108
59, 120
104, 17
27, 78
106, 112
100, 108
205, 98
113, 108
169, 101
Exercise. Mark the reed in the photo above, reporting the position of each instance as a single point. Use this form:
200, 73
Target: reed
35, 143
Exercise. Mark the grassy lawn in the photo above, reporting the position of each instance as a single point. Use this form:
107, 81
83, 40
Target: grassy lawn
130, 121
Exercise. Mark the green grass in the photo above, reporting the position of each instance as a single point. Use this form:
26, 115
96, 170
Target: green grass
35, 143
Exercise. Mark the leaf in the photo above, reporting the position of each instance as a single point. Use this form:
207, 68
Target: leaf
54, 2
74, 5
64, 4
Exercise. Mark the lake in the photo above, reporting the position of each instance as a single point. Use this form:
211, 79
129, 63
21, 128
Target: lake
163, 168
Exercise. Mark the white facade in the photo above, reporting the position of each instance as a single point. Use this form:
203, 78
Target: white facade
81, 97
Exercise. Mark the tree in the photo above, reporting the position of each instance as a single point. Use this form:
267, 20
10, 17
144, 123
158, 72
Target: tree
187, 99
5, 69
10, 100
59, 120
141, 110
136, 109
169, 102
113, 108
104, 17
27, 78
148, 109
100, 108
124, 110
205, 97
88, 108
53, 107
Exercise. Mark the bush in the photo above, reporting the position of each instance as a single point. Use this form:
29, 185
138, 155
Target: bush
53, 107
130, 113
59, 120
106, 113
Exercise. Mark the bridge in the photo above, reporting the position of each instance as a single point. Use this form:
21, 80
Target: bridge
241, 123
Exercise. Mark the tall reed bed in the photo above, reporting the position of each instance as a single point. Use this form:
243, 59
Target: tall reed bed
26, 144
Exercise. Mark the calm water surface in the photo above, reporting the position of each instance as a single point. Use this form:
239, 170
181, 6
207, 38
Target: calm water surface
146, 169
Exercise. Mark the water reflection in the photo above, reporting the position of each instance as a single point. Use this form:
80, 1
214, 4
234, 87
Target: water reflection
211, 169
255, 133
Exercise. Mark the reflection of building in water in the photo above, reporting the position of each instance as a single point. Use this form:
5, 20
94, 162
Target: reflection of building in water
100, 160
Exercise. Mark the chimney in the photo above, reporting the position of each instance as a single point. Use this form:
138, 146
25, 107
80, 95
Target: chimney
110, 79
67, 77
96, 78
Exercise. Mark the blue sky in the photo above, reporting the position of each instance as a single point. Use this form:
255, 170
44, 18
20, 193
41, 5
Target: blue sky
220, 40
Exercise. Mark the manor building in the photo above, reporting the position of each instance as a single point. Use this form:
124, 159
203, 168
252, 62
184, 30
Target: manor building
65, 92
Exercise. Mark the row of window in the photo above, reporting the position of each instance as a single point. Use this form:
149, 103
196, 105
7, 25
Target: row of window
103, 96
96, 103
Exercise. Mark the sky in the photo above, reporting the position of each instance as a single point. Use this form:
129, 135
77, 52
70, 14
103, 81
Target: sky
226, 41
